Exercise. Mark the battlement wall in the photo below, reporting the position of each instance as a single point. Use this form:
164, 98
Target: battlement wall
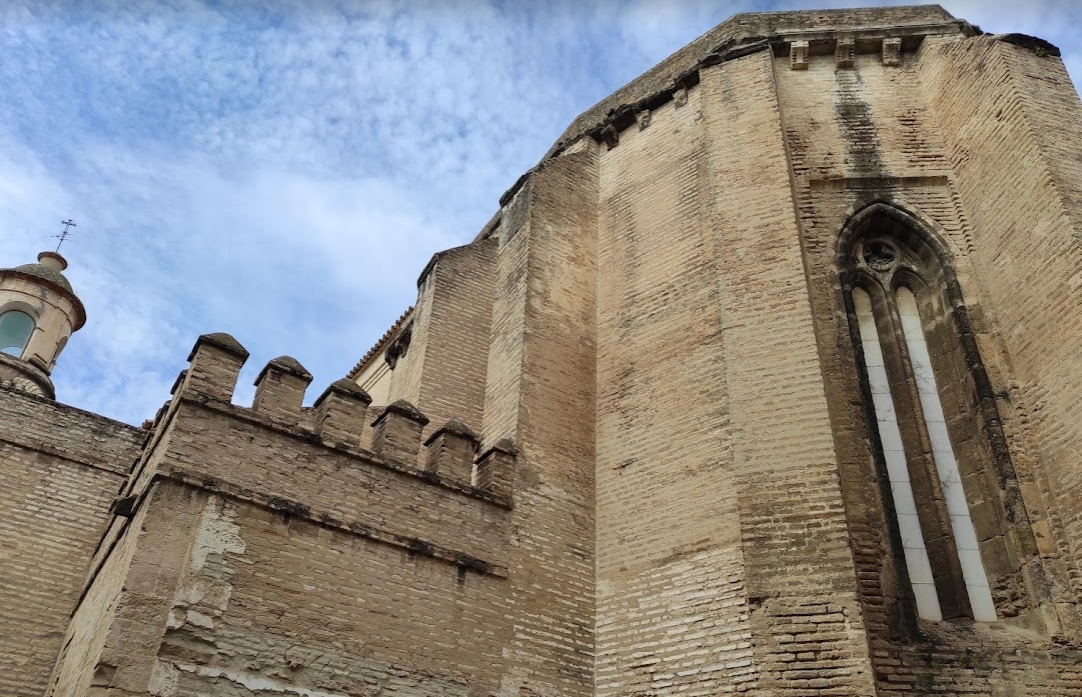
441, 495
325, 525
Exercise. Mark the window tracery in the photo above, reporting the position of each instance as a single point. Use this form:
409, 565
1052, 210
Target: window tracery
918, 368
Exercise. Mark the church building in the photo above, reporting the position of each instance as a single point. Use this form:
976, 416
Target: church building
766, 380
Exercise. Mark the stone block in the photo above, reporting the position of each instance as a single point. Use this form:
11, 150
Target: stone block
892, 51
798, 55
845, 51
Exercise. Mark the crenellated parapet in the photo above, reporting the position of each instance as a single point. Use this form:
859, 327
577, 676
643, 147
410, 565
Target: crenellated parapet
219, 476
397, 434
340, 418
494, 467
340, 413
213, 366
433, 497
279, 390
451, 452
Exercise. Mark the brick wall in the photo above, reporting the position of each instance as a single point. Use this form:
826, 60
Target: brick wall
258, 542
672, 614
245, 457
456, 353
895, 134
81, 668
541, 393
60, 469
854, 137
800, 569
1014, 169
221, 594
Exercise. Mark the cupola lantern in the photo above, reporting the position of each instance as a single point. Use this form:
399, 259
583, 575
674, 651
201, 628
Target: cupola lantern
38, 312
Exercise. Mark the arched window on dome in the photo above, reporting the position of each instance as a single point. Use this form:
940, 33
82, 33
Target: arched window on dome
941, 455
59, 347
15, 330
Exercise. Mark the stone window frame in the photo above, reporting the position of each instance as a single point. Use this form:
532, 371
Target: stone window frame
923, 264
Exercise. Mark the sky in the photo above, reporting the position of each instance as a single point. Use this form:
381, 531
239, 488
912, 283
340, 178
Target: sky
283, 171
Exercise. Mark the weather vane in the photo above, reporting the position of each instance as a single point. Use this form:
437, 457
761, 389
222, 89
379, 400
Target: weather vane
68, 224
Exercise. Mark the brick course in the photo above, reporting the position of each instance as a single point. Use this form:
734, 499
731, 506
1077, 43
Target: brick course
61, 469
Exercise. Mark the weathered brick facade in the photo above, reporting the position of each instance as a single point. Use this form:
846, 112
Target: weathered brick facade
651, 433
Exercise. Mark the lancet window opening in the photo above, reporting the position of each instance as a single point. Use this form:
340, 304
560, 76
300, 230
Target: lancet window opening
903, 319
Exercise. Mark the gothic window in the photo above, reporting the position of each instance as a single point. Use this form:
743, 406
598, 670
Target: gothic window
917, 365
15, 330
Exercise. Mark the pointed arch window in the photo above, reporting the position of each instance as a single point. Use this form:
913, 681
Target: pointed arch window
942, 461
15, 330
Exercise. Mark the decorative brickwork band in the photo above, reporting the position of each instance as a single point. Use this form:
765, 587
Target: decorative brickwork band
340, 412
451, 451
279, 389
216, 360
798, 55
397, 434
495, 468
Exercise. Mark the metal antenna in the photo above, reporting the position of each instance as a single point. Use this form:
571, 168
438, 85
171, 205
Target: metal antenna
68, 224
